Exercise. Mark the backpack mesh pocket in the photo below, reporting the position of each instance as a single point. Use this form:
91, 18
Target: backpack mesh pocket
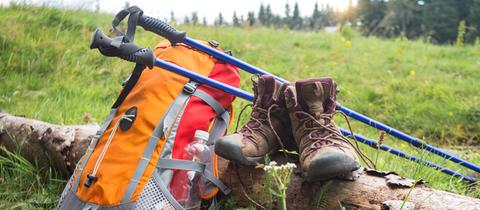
153, 198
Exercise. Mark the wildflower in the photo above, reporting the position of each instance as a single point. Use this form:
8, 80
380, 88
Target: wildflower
348, 43
279, 176
412, 73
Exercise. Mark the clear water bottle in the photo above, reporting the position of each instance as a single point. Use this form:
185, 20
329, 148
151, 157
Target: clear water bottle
197, 151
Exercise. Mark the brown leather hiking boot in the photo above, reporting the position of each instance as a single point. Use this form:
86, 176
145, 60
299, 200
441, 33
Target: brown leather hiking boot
324, 152
267, 128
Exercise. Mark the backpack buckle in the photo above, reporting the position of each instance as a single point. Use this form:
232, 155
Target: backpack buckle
190, 88
213, 43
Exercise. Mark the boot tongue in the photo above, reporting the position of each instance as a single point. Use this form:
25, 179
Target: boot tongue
311, 98
263, 88
316, 96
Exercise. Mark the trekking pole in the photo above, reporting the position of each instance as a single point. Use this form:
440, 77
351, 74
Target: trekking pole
144, 56
163, 29
374, 144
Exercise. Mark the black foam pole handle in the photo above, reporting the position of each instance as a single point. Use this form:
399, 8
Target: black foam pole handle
124, 50
142, 56
161, 28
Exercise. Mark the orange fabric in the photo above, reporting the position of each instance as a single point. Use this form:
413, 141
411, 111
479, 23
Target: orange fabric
152, 95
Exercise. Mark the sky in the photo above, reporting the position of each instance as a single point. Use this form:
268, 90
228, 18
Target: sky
205, 8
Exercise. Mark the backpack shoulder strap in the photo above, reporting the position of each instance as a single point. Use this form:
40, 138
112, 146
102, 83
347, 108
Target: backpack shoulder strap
210, 101
132, 80
223, 116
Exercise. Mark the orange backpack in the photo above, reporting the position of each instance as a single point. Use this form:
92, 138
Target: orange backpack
133, 159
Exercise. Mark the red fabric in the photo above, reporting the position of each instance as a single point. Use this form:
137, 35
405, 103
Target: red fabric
198, 116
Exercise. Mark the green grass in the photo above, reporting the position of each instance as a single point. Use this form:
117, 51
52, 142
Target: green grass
47, 72
24, 185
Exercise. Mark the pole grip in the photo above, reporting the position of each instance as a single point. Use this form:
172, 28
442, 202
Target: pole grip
118, 47
161, 28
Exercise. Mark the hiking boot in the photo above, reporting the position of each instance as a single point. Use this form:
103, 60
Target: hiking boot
266, 130
324, 152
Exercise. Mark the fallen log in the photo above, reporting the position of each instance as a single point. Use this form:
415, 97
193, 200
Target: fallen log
61, 147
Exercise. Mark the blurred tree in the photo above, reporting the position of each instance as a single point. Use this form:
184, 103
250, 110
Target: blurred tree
204, 22
194, 18
403, 18
236, 22
219, 21
251, 18
370, 13
173, 20
268, 16
242, 20
315, 20
441, 19
287, 10
261, 15
277, 21
330, 16
286, 19
297, 21
473, 22
186, 20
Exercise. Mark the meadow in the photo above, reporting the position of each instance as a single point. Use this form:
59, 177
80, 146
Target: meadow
47, 72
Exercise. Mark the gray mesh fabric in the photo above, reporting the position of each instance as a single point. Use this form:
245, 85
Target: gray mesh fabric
153, 198
67, 189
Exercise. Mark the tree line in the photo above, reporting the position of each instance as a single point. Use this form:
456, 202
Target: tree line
321, 16
438, 21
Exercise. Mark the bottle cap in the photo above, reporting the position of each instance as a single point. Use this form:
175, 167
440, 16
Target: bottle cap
199, 134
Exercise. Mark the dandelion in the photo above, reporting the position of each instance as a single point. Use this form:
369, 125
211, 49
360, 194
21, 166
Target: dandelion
279, 176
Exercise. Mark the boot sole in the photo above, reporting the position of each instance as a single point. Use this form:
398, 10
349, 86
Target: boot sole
233, 152
332, 165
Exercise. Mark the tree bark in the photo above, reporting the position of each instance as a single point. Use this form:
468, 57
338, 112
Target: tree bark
46, 144
61, 147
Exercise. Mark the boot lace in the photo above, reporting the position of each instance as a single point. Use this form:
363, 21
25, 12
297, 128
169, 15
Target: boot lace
258, 117
318, 129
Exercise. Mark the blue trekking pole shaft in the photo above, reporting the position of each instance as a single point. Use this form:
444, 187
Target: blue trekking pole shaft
407, 138
161, 28
203, 80
248, 96
229, 59
374, 144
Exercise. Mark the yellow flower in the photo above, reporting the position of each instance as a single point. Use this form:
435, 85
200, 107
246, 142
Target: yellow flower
348, 43
412, 73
